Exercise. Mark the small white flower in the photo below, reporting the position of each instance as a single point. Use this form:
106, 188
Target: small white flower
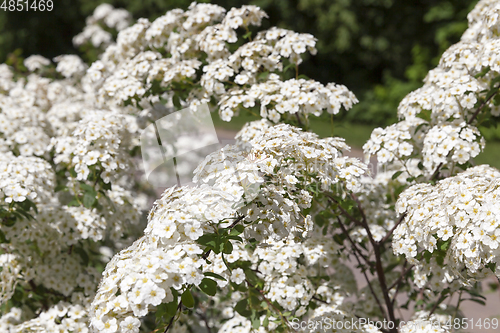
238, 276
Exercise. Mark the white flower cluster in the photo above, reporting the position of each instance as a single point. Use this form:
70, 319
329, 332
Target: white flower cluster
135, 71
24, 177
293, 159
97, 140
104, 18
35, 62
286, 280
168, 256
454, 93
9, 275
6, 76
478, 45
70, 65
459, 215
168, 249
396, 142
51, 143
292, 96
458, 140
62, 317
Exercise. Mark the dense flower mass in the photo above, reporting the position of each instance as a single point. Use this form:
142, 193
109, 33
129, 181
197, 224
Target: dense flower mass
445, 110
460, 214
261, 186
132, 70
266, 235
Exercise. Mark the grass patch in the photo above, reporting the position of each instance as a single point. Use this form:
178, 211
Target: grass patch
236, 123
355, 134
490, 155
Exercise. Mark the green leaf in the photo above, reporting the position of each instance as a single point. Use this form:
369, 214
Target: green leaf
88, 200
171, 309
3, 239
60, 187
83, 254
210, 240
483, 72
445, 245
255, 319
228, 247
172, 306
161, 311
241, 308
247, 35
187, 299
177, 102
480, 301
236, 238
339, 238
106, 186
217, 276
396, 175
73, 203
87, 188
492, 266
238, 229
208, 286
319, 220
254, 300
251, 276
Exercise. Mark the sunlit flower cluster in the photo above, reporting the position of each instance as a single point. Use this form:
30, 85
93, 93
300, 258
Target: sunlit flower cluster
271, 221
135, 71
25, 177
292, 96
104, 18
228, 182
461, 212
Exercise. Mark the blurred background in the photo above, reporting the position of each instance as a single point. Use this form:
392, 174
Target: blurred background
379, 49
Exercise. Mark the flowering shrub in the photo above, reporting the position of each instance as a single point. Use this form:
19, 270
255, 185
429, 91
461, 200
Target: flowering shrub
265, 236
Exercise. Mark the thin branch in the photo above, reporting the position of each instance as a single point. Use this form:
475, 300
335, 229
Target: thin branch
386, 237
319, 300
370, 287
397, 283
360, 208
403, 273
378, 262
458, 305
356, 249
436, 173
205, 320
344, 211
173, 317
481, 107
441, 299
298, 119
383, 284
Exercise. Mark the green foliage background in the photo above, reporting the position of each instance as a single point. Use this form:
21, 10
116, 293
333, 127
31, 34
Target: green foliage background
380, 49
